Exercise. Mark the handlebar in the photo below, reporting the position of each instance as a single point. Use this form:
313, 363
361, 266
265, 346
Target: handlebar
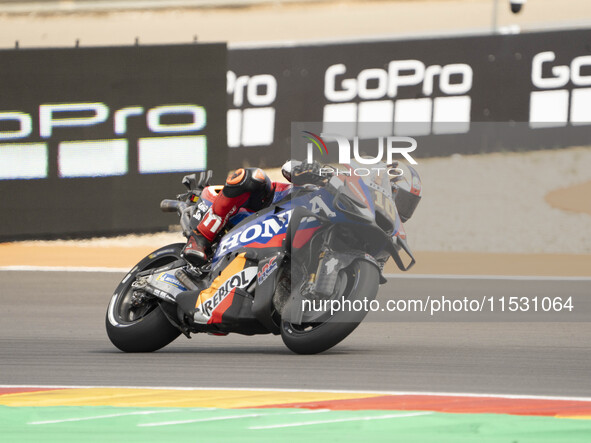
169, 205
181, 209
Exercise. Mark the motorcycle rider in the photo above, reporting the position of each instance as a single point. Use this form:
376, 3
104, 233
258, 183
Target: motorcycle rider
248, 188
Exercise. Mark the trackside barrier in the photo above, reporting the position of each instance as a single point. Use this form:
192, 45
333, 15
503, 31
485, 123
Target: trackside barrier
431, 89
92, 139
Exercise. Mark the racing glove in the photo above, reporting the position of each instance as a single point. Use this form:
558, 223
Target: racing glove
301, 173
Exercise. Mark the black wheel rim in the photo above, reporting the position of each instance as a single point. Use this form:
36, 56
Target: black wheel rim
124, 310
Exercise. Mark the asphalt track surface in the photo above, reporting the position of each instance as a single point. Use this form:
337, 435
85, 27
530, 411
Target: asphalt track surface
52, 333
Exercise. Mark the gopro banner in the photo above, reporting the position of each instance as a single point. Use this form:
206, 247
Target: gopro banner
91, 139
430, 89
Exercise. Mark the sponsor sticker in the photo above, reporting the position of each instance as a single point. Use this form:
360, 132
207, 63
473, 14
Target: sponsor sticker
267, 270
171, 280
239, 280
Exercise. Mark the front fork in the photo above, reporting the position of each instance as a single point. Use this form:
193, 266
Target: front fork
322, 282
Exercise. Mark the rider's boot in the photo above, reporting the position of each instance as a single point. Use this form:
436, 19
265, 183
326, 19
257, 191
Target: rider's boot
198, 246
197, 249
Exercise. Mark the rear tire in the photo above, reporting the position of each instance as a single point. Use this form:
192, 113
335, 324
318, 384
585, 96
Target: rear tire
146, 328
316, 338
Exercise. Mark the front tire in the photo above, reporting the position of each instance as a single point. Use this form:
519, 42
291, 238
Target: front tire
141, 328
315, 338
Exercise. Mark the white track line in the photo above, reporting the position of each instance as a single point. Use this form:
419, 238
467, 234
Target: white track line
341, 420
332, 391
232, 417
200, 420
97, 417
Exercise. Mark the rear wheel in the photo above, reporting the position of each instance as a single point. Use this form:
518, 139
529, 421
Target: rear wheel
138, 324
359, 281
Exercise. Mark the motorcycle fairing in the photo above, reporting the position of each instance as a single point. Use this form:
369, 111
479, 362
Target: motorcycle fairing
262, 237
268, 229
265, 231
217, 298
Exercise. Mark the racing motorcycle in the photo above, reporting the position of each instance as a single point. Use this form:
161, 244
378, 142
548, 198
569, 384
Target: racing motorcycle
271, 271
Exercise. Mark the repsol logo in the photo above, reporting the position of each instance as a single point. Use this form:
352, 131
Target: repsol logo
371, 96
239, 280
555, 103
264, 231
252, 121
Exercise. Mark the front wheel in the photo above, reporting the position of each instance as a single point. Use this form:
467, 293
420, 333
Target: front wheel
140, 325
360, 282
